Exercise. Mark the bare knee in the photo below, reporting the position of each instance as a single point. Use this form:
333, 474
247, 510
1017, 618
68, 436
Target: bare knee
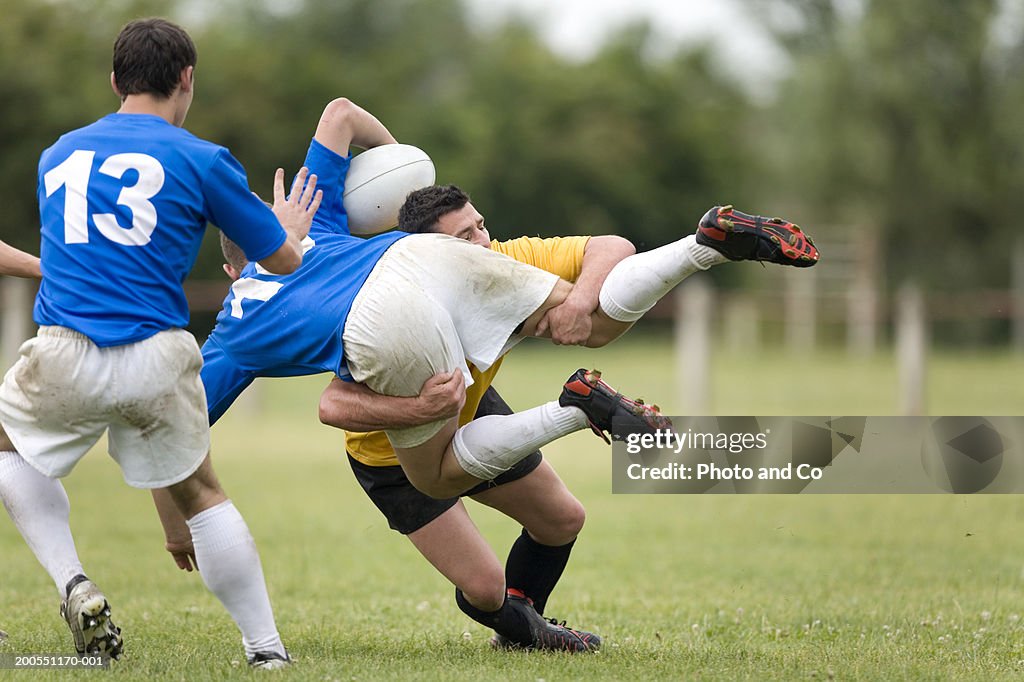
438, 483
571, 521
486, 589
561, 527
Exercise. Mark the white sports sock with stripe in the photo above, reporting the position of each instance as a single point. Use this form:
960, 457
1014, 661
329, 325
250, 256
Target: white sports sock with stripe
636, 283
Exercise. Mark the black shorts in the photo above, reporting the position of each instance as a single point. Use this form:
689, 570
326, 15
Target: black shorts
406, 508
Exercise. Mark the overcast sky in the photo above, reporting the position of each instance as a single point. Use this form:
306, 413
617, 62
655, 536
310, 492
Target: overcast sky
576, 27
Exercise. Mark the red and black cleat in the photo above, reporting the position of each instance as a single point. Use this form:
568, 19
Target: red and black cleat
606, 408
740, 236
546, 634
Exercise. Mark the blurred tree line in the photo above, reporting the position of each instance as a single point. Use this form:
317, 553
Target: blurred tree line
897, 121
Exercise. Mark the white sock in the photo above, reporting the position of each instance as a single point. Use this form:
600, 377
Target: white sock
491, 445
230, 565
636, 283
40, 510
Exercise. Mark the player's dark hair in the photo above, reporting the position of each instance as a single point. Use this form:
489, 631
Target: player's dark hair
149, 55
233, 254
424, 207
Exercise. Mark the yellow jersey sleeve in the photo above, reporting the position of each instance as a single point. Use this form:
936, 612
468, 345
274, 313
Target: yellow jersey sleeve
562, 256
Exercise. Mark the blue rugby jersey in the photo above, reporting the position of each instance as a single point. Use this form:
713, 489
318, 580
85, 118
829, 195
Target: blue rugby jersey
279, 326
124, 203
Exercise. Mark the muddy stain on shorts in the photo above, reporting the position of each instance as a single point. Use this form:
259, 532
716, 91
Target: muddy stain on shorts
145, 415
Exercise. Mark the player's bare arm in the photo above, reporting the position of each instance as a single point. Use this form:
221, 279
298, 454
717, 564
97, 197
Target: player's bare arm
17, 263
578, 320
344, 124
295, 213
354, 407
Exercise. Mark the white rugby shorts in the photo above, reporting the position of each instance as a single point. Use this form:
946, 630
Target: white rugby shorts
65, 391
431, 303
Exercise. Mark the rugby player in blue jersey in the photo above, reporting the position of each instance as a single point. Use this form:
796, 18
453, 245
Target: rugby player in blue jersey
124, 203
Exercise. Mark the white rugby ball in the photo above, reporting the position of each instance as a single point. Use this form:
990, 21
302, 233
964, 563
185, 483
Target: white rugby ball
378, 182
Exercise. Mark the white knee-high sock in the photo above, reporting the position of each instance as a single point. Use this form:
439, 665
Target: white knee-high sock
230, 566
636, 283
40, 510
491, 445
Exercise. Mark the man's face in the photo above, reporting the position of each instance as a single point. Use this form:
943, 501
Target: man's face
466, 223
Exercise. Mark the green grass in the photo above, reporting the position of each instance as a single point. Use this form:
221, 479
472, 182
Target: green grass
680, 587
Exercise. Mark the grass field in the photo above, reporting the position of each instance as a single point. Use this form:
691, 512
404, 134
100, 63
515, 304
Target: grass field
680, 587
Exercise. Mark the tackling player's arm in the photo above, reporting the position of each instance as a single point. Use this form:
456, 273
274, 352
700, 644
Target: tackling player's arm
578, 319
17, 263
354, 407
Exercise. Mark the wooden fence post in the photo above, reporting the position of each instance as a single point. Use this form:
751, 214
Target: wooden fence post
741, 324
693, 345
862, 298
911, 349
801, 318
16, 299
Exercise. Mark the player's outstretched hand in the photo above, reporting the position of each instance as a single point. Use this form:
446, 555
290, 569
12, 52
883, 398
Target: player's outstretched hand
568, 324
442, 396
295, 212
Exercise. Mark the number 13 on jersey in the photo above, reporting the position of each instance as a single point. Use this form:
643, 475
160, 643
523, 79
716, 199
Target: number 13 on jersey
73, 174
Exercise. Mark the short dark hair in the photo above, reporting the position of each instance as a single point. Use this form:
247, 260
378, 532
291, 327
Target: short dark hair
149, 55
233, 253
424, 207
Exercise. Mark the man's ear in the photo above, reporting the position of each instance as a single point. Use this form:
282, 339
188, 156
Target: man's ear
232, 274
187, 79
113, 86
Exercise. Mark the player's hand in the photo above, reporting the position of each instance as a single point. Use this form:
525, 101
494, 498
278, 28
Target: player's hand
295, 213
568, 324
184, 554
442, 396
